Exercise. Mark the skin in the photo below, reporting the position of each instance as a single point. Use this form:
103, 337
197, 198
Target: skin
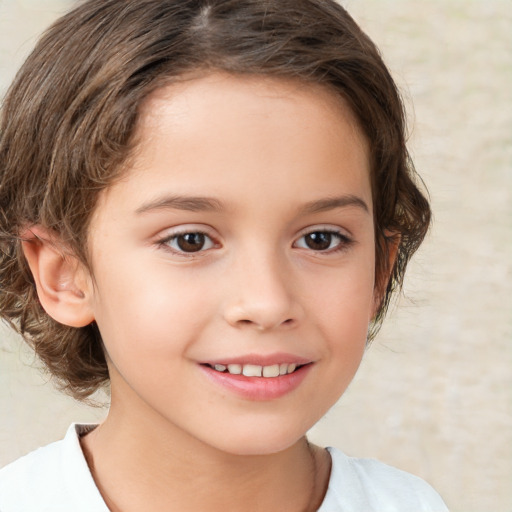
263, 151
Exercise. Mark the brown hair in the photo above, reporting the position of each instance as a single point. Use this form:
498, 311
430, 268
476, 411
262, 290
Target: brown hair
67, 123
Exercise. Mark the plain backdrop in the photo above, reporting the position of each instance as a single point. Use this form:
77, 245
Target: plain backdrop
434, 392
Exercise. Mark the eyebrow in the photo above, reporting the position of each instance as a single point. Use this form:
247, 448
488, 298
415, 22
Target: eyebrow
188, 203
209, 204
331, 203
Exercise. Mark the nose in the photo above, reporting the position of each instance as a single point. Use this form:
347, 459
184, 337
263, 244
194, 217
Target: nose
261, 295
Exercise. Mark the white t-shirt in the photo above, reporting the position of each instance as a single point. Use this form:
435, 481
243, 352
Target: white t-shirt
56, 478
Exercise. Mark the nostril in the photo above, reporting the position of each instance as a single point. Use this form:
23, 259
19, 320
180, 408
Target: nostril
245, 322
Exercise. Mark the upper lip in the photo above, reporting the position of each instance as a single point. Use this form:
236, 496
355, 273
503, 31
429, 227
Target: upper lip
260, 359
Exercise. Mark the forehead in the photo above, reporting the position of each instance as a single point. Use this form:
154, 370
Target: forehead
232, 88
211, 135
218, 96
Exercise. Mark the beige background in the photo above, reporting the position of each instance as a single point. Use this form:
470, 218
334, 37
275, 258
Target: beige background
434, 393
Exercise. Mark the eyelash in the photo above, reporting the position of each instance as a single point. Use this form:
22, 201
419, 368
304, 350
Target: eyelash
344, 242
165, 243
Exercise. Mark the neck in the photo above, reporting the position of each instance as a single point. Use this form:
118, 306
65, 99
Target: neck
147, 465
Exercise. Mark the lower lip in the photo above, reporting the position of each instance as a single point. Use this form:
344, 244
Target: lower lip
258, 388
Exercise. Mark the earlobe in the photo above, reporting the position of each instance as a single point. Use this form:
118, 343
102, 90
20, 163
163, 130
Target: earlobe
389, 252
63, 285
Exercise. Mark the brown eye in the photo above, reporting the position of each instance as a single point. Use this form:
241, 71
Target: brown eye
323, 241
189, 242
319, 240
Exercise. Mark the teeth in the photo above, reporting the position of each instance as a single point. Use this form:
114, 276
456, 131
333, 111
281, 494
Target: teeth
235, 369
254, 370
271, 371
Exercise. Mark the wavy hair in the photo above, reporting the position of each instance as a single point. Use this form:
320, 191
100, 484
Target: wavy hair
68, 119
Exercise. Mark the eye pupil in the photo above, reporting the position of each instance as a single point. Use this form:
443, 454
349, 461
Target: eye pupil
191, 242
319, 240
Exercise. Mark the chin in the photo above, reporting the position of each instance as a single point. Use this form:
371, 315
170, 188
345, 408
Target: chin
259, 441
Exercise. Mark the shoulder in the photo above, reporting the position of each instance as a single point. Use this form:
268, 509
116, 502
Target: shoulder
370, 485
57, 477
34, 471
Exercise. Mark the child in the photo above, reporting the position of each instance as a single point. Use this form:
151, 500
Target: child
206, 204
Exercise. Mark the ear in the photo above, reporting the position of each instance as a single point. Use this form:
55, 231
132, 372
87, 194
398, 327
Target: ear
390, 243
63, 285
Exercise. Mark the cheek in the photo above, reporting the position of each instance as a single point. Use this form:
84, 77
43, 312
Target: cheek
153, 312
343, 312
347, 296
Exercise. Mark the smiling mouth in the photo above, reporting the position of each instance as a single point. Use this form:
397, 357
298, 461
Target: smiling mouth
254, 370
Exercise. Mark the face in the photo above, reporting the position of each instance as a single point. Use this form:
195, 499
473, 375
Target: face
234, 263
